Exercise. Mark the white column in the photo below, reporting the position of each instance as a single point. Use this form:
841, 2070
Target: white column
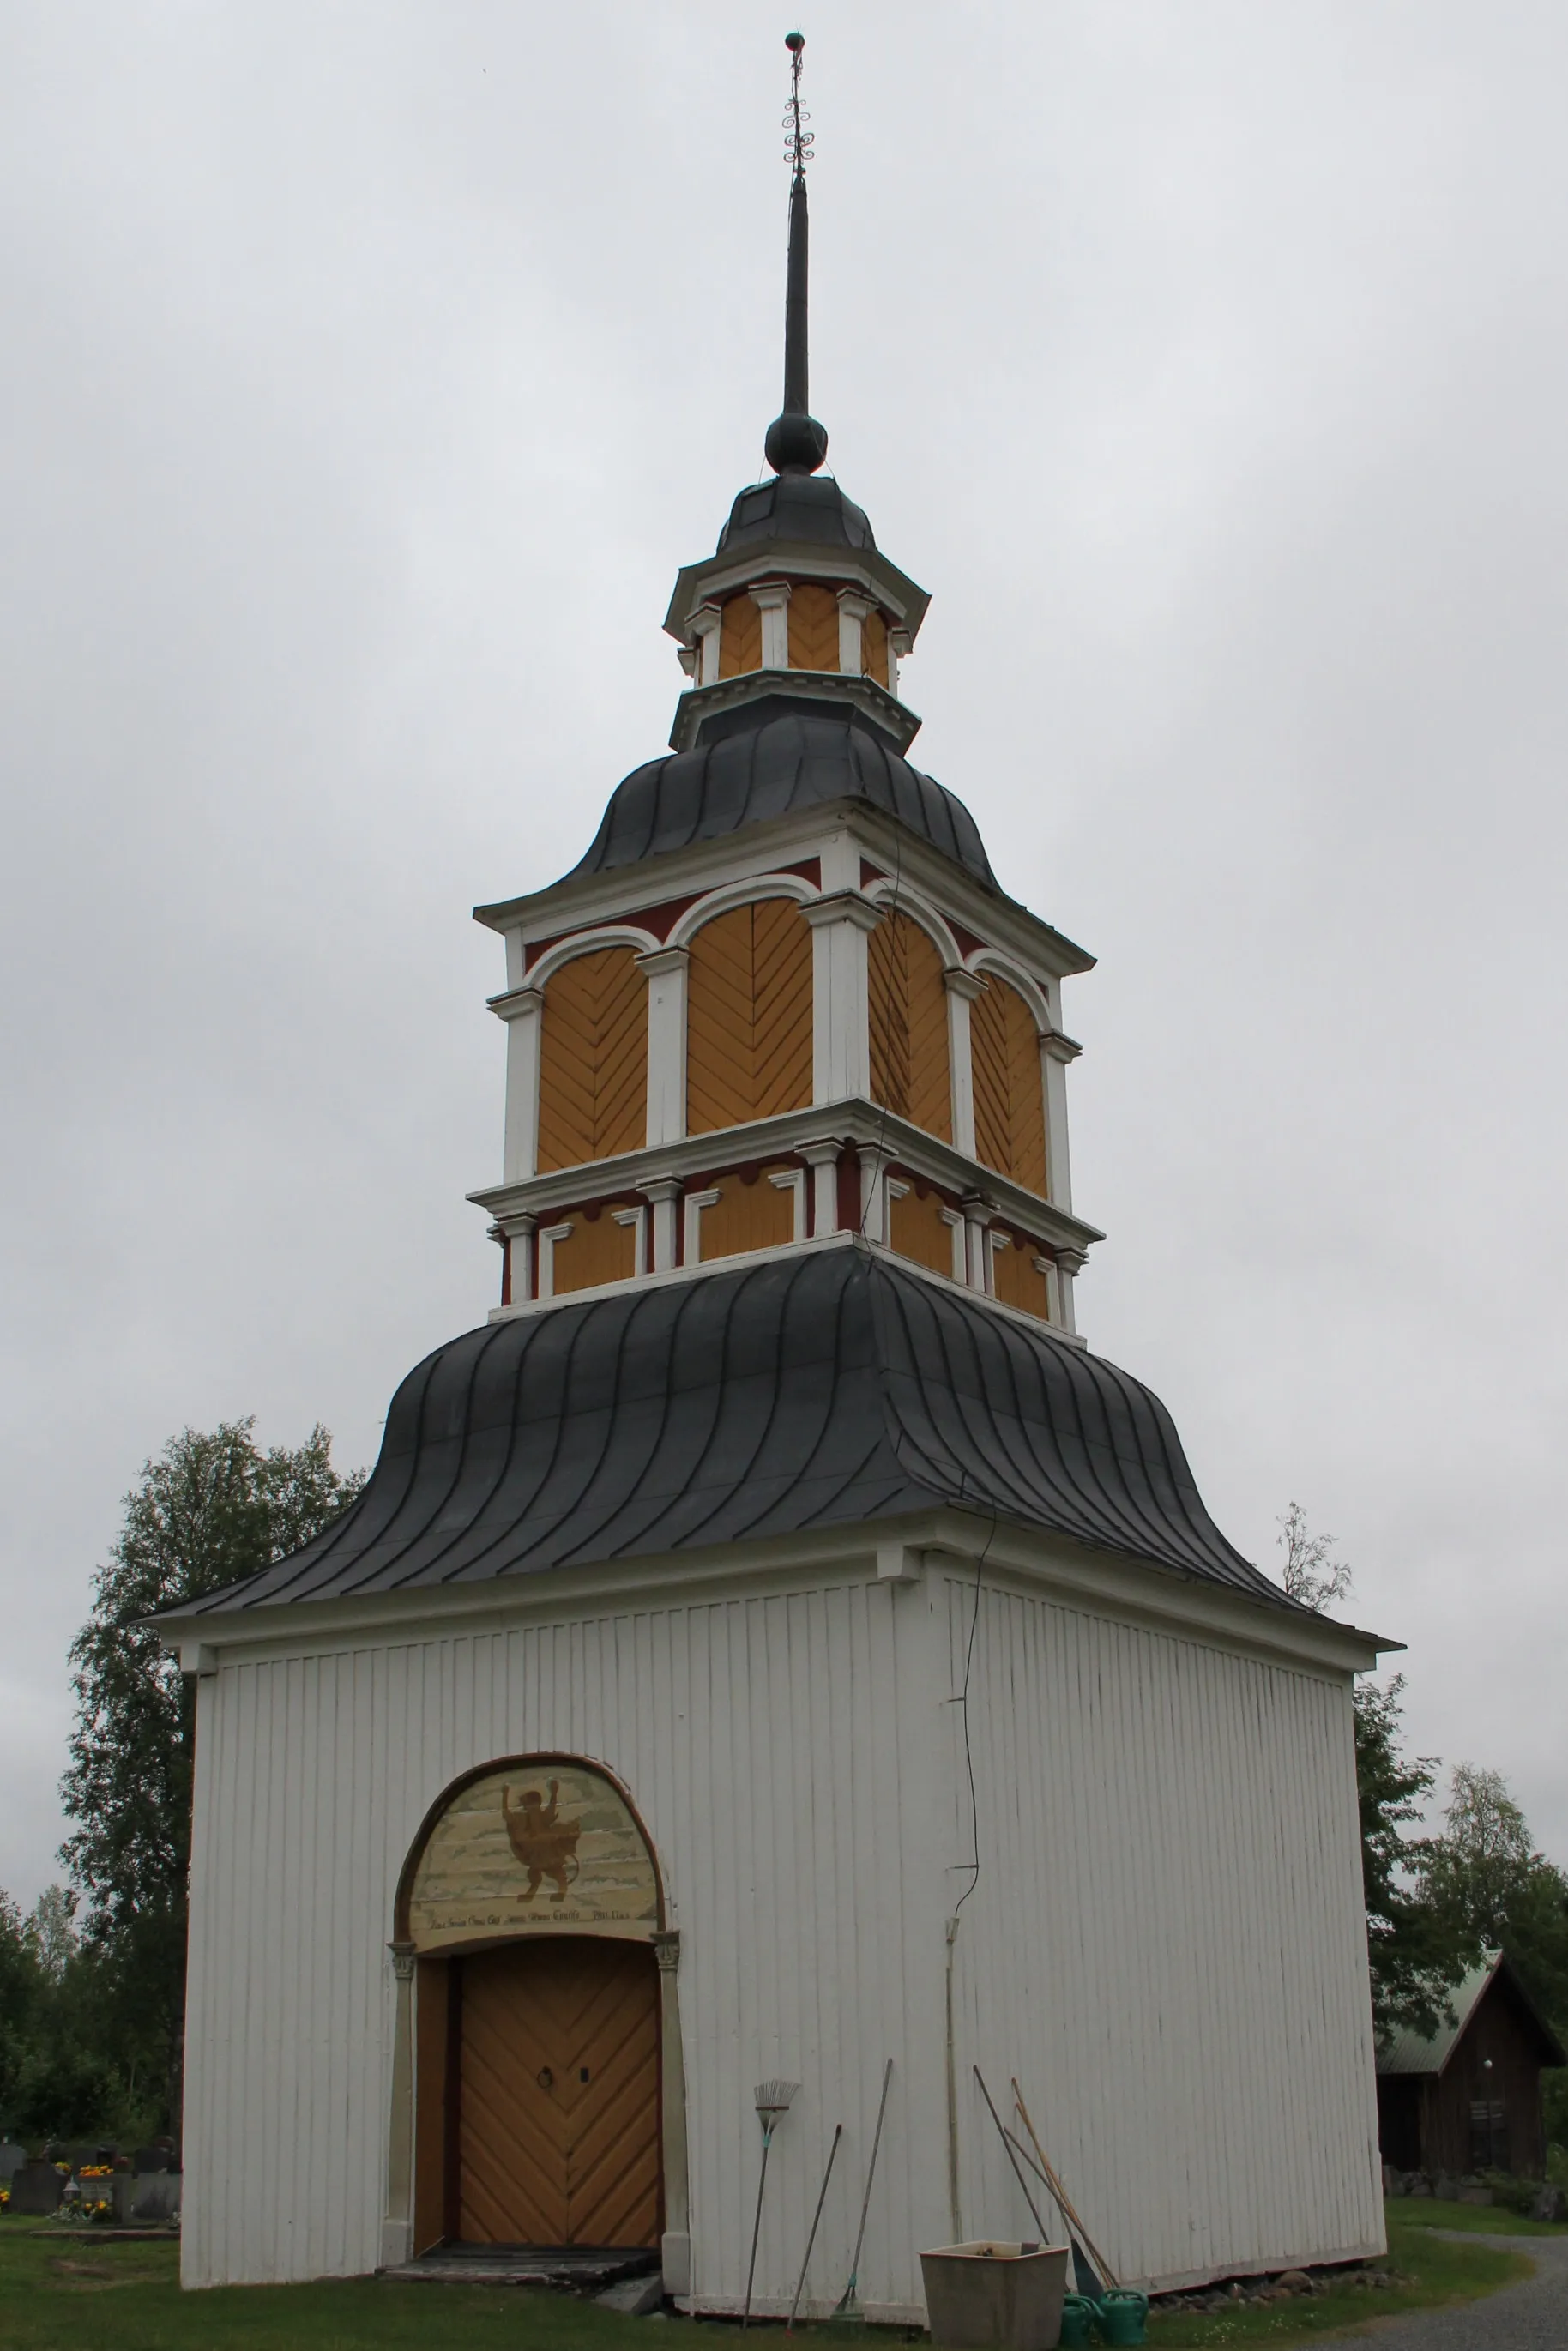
900, 644
707, 624
520, 1009
1070, 1264
675, 2245
822, 1159
1055, 1052
666, 977
854, 611
772, 600
841, 986
963, 987
397, 2224
664, 1193
976, 1252
519, 1258
874, 1218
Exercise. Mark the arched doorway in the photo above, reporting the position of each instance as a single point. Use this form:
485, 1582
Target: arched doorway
531, 1906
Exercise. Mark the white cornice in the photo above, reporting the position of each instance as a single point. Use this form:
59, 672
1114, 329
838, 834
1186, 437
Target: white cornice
852, 1120
576, 902
719, 575
1035, 1563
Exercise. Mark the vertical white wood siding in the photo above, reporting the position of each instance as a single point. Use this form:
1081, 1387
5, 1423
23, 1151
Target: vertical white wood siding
1165, 1941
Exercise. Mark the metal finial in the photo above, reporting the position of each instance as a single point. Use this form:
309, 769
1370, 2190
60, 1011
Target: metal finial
796, 443
798, 151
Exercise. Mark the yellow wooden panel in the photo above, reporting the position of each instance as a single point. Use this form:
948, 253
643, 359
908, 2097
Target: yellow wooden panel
593, 1059
759, 1214
1020, 1282
918, 1232
813, 627
1026, 1096
1010, 1096
599, 1251
739, 636
874, 647
910, 1061
748, 1016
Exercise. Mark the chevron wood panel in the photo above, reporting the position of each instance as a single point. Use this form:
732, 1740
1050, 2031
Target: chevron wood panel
910, 1061
593, 1059
599, 1251
813, 627
1010, 1097
739, 636
748, 1016
917, 1232
1020, 1282
759, 1214
559, 2139
874, 647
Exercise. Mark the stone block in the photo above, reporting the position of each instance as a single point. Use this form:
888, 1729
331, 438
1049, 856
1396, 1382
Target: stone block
1550, 2204
1474, 2194
12, 2159
155, 2196
37, 2188
634, 2297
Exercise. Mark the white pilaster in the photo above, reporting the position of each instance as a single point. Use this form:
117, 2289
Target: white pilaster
696, 1202
706, 625
963, 987
900, 644
854, 611
840, 1060
822, 1159
637, 1221
876, 1220
549, 1236
1056, 1051
978, 1271
793, 1181
521, 1009
960, 1233
1047, 1265
666, 977
664, 1196
520, 1258
771, 599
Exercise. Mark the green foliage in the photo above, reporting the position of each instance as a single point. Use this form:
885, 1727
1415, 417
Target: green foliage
211, 1510
1416, 1955
1486, 1883
1312, 1574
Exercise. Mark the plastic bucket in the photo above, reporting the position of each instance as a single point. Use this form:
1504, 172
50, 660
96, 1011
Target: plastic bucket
1122, 2315
990, 2296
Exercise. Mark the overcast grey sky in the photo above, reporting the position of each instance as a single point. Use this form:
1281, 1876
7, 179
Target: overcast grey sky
369, 372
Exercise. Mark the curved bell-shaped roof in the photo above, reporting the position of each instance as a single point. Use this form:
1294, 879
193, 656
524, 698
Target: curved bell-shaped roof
821, 1390
800, 507
767, 760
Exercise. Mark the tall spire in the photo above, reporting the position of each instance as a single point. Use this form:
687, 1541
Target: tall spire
796, 443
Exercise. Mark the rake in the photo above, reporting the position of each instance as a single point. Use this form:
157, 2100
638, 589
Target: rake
847, 2306
772, 2099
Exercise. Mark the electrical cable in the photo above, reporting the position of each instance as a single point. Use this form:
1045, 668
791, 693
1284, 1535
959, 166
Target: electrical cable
963, 1703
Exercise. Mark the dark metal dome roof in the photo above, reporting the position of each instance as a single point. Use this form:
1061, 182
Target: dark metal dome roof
765, 759
821, 1390
796, 506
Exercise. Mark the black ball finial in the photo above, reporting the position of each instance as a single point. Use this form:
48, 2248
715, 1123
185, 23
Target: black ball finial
795, 43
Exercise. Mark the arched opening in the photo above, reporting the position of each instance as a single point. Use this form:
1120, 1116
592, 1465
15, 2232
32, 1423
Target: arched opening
748, 1016
910, 1055
530, 1909
593, 1059
1009, 1088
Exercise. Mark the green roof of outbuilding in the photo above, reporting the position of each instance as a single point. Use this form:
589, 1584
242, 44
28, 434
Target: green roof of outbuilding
1413, 2052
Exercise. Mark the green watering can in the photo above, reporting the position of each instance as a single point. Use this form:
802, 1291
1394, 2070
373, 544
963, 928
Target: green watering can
1117, 2318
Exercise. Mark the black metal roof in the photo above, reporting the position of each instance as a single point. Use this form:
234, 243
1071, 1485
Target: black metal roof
767, 759
819, 1390
800, 507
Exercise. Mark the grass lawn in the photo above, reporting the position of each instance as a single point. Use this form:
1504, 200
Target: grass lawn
74, 2293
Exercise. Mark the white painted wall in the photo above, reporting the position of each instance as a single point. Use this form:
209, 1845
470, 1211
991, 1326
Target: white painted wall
1164, 1940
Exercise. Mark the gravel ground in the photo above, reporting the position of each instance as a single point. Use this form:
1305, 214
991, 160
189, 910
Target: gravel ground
1529, 2317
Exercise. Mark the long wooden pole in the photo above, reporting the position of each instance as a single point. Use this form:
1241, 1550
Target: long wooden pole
816, 2217
1007, 2150
1057, 2190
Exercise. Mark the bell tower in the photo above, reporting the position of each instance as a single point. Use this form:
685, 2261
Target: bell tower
782, 1002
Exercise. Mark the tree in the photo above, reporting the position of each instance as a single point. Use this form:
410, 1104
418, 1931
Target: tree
1312, 1574
211, 1509
1414, 1954
1485, 1880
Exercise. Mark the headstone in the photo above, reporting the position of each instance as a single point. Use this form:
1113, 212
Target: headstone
1550, 2204
1418, 2186
150, 2158
1472, 2192
1444, 2189
37, 2188
155, 2196
12, 2159
1393, 2181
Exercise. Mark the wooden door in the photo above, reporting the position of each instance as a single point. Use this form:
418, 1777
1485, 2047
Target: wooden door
557, 2053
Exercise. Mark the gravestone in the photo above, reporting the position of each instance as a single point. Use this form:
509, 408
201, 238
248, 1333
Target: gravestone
36, 2188
12, 2159
155, 2196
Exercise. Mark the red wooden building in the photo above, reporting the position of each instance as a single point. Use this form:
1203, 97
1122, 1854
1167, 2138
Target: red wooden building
1469, 2098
